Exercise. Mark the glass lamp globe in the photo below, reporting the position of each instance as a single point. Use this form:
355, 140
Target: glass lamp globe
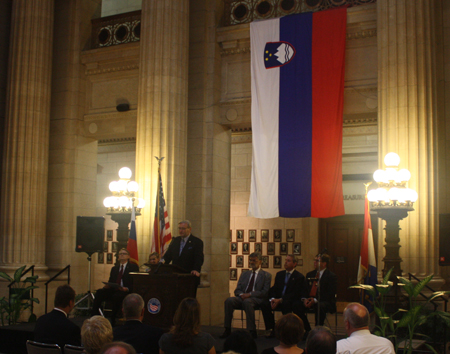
390, 174
125, 173
123, 201
133, 186
372, 195
106, 202
394, 194
411, 195
392, 159
382, 195
141, 203
122, 185
378, 176
114, 202
113, 186
404, 175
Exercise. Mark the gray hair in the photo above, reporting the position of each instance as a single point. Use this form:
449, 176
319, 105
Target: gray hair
256, 254
132, 306
186, 222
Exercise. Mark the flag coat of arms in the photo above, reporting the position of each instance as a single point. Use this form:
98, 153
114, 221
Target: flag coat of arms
297, 68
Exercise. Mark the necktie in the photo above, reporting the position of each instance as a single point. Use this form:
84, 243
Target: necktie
182, 243
119, 276
250, 285
288, 275
313, 291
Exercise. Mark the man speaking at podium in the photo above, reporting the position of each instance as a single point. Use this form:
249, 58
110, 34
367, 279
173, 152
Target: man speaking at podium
118, 286
186, 251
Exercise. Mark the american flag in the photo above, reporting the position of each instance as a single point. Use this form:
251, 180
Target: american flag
153, 307
161, 226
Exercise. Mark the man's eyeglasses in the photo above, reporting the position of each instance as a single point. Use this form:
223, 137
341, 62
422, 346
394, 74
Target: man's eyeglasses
123, 254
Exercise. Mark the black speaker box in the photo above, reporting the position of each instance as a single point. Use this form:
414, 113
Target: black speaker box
444, 239
90, 234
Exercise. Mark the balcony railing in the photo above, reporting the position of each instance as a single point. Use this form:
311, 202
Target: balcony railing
117, 29
245, 11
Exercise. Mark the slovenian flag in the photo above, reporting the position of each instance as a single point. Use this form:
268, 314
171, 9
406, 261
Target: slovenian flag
297, 68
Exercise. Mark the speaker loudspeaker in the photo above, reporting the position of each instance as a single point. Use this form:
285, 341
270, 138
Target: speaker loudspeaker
444, 239
90, 234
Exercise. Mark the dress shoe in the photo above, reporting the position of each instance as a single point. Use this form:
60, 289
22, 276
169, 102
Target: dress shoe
226, 333
254, 334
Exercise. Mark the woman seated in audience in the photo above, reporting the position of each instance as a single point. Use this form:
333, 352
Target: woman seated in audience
185, 336
96, 332
289, 331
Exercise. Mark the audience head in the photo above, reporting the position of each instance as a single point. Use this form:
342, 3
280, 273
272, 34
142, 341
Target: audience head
117, 348
255, 260
241, 342
186, 321
132, 306
321, 341
324, 260
153, 258
290, 262
289, 329
65, 297
356, 317
95, 333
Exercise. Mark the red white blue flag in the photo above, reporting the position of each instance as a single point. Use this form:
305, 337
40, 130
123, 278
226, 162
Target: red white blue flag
161, 226
132, 240
367, 270
297, 68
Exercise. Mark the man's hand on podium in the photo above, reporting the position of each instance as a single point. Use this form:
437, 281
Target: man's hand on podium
194, 272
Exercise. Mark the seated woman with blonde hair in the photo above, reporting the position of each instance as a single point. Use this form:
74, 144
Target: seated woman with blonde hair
289, 331
95, 333
185, 336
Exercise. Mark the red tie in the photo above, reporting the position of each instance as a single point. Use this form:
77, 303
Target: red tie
250, 285
119, 276
313, 291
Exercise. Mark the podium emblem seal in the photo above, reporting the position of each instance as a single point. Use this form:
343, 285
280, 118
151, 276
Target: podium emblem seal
154, 306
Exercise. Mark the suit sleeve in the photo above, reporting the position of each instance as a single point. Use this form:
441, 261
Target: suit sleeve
242, 284
198, 257
112, 275
274, 290
265, 289
291, 296
168, 255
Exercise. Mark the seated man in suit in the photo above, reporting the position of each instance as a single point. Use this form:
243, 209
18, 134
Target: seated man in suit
251, 291
186, 251
54, 327
322, 285
142, 337
120, 275
289, 286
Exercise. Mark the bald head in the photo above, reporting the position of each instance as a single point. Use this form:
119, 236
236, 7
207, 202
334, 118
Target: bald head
356, 317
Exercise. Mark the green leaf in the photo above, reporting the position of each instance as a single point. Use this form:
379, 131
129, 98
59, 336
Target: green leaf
406, 319
431, 348
408, 286
31, 279
437, 294
387, 276
18, 274
419, 287
6, 276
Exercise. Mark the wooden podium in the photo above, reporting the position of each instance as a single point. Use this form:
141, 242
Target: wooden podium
162, 289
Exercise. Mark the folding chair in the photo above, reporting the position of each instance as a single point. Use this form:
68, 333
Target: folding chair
42, 348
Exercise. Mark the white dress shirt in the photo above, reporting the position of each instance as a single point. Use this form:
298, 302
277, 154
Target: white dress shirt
363, 342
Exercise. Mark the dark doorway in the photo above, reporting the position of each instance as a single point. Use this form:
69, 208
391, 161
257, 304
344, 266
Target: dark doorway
342, 237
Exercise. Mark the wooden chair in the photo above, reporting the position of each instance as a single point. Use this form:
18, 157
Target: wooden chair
42, 348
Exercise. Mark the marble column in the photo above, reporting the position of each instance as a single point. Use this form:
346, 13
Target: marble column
162, 110
25, 163
406, 119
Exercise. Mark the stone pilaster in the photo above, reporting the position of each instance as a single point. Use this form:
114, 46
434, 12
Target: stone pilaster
406, 118
162, 110
24, 170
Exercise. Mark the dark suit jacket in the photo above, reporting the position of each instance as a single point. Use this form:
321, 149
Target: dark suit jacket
142, 337
327, 287
262, 285
295, 290
126, 277
191, 258
55, 328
